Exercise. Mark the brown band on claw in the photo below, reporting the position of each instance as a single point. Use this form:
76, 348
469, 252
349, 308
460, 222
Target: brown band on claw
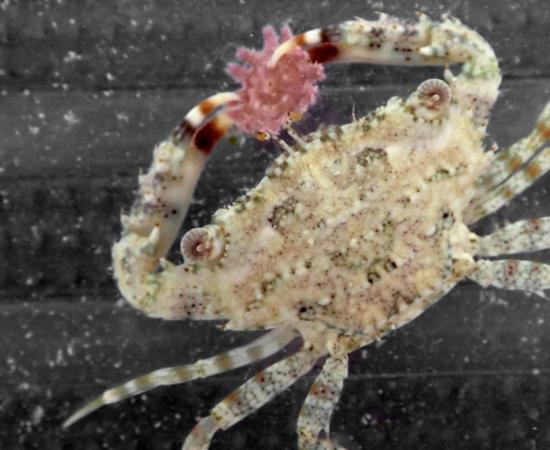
185, 129
208, 135
206, 107
323, 53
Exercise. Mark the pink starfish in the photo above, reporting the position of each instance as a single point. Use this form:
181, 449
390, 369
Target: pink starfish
269, 94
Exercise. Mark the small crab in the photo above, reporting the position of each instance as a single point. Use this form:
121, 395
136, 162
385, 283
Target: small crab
354, 231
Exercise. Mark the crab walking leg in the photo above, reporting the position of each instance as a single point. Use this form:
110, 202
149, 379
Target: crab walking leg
165, 193
317, 410
389, 40
249, 397
512, 187
509, 161
261, 348
518, 237
513, 274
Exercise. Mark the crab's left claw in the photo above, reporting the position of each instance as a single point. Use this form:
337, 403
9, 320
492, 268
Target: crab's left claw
144, 278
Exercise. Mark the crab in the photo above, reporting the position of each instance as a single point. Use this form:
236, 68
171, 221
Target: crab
354, 231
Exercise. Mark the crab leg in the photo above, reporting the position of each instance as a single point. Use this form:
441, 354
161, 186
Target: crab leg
261, 348
323, 396
389, 40
165, 193
518, 237
510, 160
513, 274
507, 190
249, 397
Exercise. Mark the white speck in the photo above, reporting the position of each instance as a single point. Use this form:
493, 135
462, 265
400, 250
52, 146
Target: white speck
71, 57
37, 415
110, 76
34, 130
59, 358
122, 117
70, 117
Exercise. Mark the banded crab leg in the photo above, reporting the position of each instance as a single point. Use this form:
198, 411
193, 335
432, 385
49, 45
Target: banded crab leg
509, 161
314, 420
389, 40
249, 397
518, 237
513, 186
259, 349
153, 223
513, 274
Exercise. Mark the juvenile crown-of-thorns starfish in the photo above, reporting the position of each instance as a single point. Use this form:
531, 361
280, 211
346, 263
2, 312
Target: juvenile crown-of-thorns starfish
353, 232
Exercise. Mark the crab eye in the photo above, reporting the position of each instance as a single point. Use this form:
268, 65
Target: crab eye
202, 244
432, 99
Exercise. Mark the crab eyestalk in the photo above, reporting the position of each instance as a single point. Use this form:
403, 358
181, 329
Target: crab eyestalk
431, 99
202, 245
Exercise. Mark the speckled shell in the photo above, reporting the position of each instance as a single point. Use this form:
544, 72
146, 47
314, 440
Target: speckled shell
351, 231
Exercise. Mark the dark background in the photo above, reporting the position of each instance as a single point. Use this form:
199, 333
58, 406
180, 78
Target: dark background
86, 89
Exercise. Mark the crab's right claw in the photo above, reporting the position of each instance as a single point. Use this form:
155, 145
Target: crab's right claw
314, 41
390, 40
387, 40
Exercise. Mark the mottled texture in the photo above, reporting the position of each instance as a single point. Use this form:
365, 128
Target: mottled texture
354, 231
